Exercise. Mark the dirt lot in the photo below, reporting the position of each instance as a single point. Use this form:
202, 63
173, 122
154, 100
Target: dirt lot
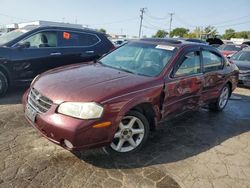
201, 149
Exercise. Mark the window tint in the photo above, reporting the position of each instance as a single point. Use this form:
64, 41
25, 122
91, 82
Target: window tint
190, 65
230, 48
77, 39
42, 40
241, 56
211, 61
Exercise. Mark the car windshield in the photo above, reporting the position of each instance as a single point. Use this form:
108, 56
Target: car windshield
140, 58
229, 48
7, 37
241, 56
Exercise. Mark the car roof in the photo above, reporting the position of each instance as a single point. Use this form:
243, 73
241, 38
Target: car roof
34, 27
171, 41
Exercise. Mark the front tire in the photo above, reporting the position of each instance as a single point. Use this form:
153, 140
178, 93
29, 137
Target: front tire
131, 134
3, 84
222, 100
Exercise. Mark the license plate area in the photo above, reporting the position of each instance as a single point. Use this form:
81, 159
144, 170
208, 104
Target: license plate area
30, 113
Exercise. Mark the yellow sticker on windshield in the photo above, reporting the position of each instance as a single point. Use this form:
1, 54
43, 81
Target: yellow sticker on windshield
165, 47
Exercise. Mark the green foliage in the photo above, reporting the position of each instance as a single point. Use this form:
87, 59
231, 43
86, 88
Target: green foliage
102, 30
190, 35
179, 32
210, 31
160, 34
231, 33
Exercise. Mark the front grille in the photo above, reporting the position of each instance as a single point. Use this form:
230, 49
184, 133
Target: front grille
40, 103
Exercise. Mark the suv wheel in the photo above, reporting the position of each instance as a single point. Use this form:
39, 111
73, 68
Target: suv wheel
131, 134
3, 84
221, 102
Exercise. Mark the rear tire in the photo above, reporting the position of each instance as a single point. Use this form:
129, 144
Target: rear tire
4, 85
222, 100
131, 134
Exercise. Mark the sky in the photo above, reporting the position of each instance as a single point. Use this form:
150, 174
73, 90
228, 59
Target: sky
123, 16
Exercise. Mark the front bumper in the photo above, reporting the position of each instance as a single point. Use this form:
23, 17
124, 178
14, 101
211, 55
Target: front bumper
57, 127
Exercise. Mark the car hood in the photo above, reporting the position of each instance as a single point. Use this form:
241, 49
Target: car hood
242, 65
87, 83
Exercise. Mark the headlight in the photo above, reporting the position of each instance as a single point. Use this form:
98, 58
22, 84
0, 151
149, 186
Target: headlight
85, 110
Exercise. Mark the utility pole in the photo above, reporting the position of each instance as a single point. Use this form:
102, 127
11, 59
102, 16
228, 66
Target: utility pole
142, 10
170, 22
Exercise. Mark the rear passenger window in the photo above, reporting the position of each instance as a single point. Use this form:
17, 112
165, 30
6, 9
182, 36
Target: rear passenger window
77, 39
190, 65
211, 61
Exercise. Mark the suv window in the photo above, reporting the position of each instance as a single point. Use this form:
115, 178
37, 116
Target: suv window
42, 40
211, 61
190, 64
77, 39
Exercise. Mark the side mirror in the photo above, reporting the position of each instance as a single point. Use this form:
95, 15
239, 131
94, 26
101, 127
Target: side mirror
22, 45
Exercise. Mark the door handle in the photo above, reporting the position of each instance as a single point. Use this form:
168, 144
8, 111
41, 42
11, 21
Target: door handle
89, 52
55, 53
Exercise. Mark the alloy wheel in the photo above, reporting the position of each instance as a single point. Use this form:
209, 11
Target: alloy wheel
129, 134
223, 97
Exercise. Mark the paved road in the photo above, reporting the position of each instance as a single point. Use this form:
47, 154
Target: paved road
201, 149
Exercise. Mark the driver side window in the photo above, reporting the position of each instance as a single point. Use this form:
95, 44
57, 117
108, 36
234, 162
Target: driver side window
42, 40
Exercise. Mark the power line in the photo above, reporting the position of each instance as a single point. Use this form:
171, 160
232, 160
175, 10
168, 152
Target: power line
142, 10
154, 17
13, 17
229, 25
114, 22
231, 20
153, 25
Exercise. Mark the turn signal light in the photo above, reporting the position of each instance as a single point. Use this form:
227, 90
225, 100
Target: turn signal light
101, 125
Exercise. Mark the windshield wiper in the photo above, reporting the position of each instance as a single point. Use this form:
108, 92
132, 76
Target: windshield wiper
125, 70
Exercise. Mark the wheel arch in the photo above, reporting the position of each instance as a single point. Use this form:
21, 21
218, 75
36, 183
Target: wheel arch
229, 83
6, 73
147, 108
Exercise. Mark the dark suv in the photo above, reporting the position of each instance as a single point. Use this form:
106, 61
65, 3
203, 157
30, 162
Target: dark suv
118, 100
27, 52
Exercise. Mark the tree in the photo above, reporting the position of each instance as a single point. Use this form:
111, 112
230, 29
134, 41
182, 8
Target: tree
242, 34
190, 35
210, 31
229, 33
160, 34
102, 30
179, 32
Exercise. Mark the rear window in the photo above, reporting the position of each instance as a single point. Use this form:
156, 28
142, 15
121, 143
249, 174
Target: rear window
241, 56
75, 39
230, 48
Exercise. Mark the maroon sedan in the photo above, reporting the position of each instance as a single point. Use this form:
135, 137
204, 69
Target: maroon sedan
118, 100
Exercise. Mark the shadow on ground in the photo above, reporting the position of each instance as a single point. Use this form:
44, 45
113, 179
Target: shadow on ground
182, 138
13, 96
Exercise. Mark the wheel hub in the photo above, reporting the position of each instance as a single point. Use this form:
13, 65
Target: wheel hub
126, 133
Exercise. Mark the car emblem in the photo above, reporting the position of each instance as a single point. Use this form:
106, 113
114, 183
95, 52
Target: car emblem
38, 97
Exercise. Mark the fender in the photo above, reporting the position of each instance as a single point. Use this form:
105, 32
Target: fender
143, 97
